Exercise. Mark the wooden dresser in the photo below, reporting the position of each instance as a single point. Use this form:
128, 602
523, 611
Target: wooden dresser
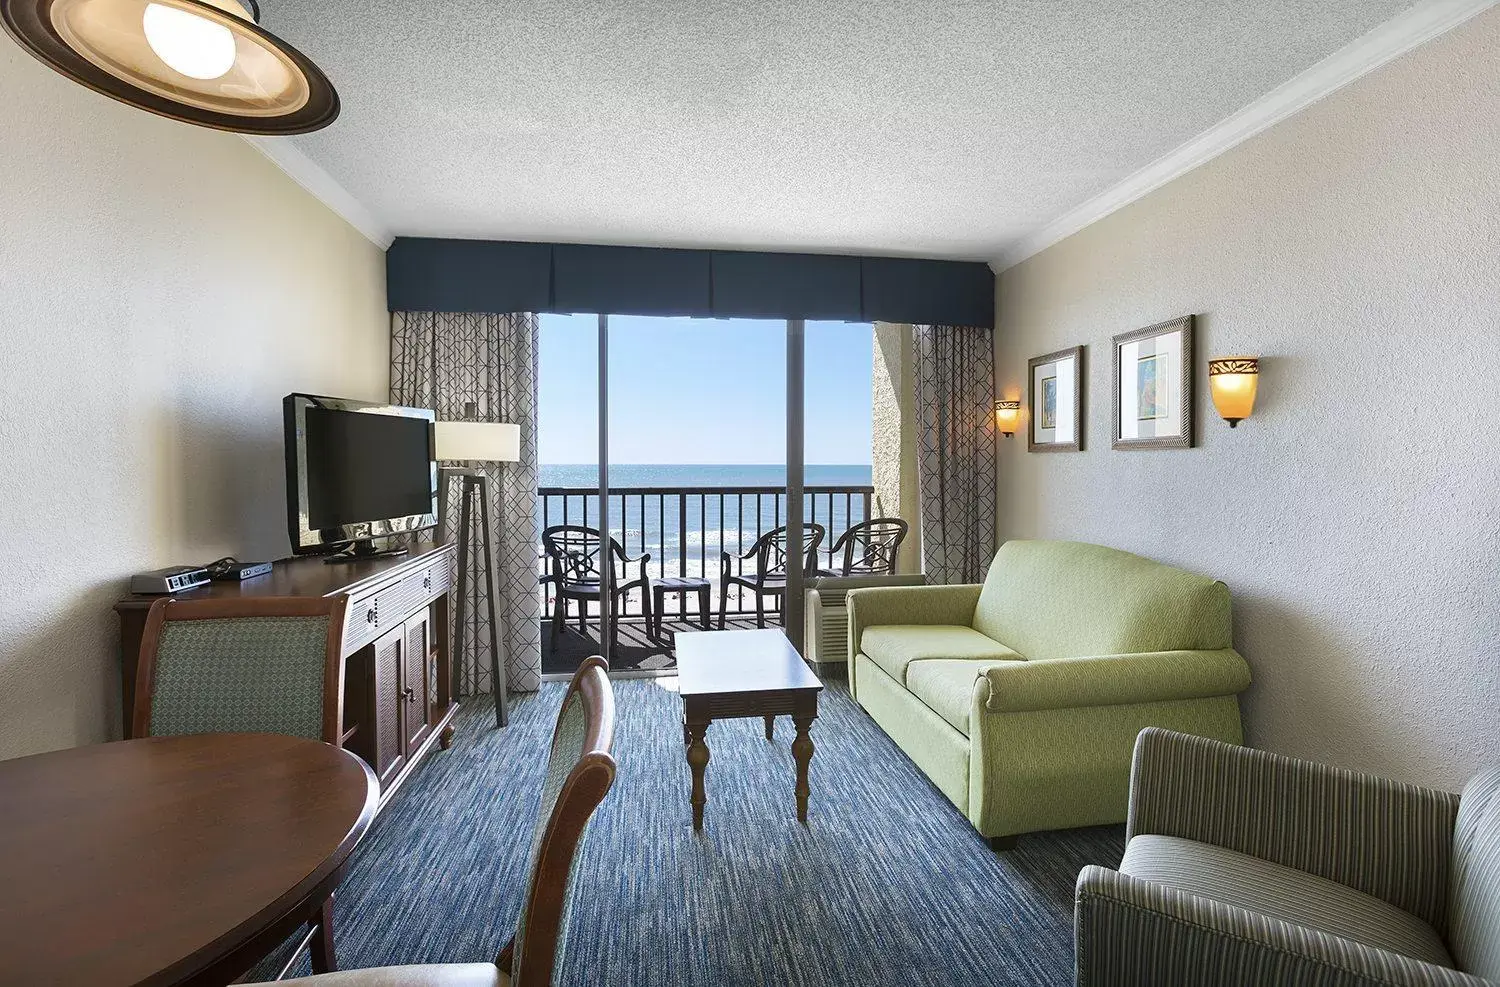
398, 686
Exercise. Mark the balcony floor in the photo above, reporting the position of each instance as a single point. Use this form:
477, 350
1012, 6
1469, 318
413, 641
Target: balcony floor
636, 651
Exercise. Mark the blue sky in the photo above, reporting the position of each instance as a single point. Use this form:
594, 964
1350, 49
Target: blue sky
701, 390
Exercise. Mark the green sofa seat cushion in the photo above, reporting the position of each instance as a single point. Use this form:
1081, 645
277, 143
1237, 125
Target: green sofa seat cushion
1285, 893
1058, 599
895, 646
946, 686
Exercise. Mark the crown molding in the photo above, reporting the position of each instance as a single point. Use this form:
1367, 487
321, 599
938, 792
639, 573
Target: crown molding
1394, 38
311, 176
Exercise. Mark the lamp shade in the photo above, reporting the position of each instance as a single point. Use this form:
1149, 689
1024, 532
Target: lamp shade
204, 62
1007, 416
1232, 380
489, 442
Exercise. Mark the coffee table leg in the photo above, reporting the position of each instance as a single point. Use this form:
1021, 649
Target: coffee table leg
770, 728
802, 750
697, 757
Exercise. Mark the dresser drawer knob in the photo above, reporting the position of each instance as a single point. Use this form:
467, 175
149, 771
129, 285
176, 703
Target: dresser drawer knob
371, 616
427, 581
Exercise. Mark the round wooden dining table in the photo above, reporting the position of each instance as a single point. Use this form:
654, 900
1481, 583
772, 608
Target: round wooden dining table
170, 860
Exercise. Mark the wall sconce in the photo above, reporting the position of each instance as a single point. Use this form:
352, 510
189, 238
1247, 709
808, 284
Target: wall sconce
1007, 415
1232, 381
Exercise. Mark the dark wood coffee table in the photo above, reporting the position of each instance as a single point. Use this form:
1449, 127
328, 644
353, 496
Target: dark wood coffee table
172, 860
733, 674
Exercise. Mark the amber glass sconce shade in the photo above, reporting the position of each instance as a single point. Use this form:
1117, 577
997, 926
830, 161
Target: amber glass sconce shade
1232, 381
1007, 416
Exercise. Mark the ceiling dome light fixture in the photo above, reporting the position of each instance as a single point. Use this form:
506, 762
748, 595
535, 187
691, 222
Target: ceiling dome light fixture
204, 62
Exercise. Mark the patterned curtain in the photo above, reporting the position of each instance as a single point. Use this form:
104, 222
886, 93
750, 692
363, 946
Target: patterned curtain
482, 367
955, 380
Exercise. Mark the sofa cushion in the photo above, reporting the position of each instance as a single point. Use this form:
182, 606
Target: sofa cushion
1055, 599
1283, 893
895, 646
946, 685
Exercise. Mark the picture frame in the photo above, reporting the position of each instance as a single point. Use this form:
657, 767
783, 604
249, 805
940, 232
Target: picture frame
1055, 393
1153, 387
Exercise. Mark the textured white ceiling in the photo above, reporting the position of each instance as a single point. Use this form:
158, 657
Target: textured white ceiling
915, 127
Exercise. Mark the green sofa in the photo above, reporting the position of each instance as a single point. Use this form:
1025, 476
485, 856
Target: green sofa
1022, 698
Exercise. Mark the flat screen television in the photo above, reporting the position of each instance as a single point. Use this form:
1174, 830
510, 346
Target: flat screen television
356, 471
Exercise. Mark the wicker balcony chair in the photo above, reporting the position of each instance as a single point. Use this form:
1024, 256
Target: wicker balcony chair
768, 577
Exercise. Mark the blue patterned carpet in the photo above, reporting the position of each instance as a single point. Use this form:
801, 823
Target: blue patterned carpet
887, 884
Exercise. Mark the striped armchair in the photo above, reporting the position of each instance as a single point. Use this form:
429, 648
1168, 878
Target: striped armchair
1245, 868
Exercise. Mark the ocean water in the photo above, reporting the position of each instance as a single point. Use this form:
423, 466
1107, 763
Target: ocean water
684, 516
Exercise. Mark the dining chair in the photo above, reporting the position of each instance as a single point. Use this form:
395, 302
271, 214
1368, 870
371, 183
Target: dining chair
576, 554
768, 578
580, 772
247, 665
869, 548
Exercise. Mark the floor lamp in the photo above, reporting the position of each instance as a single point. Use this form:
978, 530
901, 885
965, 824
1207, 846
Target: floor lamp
475, 442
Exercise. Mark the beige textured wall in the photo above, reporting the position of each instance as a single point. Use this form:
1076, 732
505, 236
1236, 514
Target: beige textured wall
161, 288
1356, 516
894, 459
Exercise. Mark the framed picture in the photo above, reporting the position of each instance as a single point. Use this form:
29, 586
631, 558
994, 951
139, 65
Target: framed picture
1056, 389
1153, 395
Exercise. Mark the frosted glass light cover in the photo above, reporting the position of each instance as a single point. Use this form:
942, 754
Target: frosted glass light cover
489, 442
205, 62
193, 45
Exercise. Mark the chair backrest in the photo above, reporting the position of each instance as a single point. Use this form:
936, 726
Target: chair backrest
870, 547
580, 772
250, 664
771, 550
1474, 910
1110, 602
576, 553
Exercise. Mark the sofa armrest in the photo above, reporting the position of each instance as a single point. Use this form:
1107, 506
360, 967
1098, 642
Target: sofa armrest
872, 605
1133, 932
1385, 838
1114, 680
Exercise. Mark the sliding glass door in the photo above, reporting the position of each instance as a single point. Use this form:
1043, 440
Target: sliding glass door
687, 447
696, 475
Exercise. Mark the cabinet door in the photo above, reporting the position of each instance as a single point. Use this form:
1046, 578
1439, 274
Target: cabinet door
416, 687
390, 746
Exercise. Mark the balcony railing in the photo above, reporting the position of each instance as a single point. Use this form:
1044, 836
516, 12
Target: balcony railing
685, 529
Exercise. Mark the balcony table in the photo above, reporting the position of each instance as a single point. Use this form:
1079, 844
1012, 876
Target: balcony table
682, 586
172, 860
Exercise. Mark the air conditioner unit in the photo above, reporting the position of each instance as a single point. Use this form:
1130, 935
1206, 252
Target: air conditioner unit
827, 637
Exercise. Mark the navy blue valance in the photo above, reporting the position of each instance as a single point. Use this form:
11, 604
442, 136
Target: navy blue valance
431, 275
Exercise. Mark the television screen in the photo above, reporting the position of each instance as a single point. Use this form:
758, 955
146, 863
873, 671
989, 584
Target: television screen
356, 471
364, 467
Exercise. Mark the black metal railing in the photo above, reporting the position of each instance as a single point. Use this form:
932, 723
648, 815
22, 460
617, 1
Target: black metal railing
686, 529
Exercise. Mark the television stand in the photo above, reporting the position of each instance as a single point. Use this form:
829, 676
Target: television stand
364, 549
400, 695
